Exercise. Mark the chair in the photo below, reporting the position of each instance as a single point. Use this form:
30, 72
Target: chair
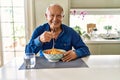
90, 27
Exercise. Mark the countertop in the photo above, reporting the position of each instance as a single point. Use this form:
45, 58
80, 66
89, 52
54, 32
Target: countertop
101, 67
101, 39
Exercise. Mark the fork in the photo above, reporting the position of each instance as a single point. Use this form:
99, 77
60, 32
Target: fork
53, 40
53, 43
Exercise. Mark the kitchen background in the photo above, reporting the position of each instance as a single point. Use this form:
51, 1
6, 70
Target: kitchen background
18, 18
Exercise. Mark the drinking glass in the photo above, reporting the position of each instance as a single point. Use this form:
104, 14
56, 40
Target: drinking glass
29, 60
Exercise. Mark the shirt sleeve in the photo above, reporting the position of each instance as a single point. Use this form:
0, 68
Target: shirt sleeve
34, 45
38, 42
80, 47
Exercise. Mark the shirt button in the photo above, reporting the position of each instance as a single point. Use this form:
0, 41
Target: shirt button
64, 44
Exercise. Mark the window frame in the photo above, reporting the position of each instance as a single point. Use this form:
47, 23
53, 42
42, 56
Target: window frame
94, 11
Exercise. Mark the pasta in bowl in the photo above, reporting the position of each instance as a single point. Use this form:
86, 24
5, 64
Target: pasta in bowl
53, 55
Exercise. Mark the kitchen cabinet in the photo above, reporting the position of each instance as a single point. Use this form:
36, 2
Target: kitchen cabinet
104, 48
110, 49
94, 48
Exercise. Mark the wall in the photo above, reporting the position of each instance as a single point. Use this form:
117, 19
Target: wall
30, 21
95, 3
1, 56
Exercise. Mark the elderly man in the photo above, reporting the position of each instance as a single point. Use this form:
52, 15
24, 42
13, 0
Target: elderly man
64, 36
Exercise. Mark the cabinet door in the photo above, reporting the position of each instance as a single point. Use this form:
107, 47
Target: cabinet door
110, 49
104, 49
94, 49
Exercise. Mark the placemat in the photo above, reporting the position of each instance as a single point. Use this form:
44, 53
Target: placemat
42, 63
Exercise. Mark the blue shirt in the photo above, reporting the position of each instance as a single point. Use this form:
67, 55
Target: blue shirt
67, 40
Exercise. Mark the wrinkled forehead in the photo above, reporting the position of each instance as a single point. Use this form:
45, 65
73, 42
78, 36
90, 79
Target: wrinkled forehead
55, 8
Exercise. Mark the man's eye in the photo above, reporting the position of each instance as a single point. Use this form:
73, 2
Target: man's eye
52, 15
59, 16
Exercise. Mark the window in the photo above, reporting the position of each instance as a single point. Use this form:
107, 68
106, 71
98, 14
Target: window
12, 25
100, 17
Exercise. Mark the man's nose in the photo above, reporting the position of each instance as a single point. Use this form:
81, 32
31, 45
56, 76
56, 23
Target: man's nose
55, 18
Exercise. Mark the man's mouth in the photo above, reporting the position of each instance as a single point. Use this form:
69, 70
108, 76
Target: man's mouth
54, 23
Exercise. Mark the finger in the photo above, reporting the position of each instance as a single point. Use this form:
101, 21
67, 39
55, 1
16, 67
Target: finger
66, 58
48, 36
66, 53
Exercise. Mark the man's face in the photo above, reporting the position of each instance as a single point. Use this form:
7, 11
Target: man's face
54, 17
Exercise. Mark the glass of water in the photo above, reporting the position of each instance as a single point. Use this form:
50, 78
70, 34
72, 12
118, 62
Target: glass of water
29, 60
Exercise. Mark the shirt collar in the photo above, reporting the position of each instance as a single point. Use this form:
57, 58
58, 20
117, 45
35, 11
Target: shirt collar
63, 31
48, 27
62, 26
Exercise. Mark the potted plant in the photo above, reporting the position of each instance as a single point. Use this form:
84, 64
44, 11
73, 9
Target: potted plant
83, 34
108, 28
78, 30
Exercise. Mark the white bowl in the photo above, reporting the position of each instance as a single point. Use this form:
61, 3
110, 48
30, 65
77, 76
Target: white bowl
55, 57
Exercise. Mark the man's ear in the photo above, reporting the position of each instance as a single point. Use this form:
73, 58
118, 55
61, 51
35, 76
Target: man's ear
45, 15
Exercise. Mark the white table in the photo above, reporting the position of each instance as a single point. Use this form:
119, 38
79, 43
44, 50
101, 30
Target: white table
101, 67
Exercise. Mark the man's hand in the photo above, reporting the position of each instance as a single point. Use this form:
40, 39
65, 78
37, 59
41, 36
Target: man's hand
69, 55
46, 36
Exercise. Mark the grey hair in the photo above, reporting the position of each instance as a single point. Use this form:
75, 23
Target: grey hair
54, 5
